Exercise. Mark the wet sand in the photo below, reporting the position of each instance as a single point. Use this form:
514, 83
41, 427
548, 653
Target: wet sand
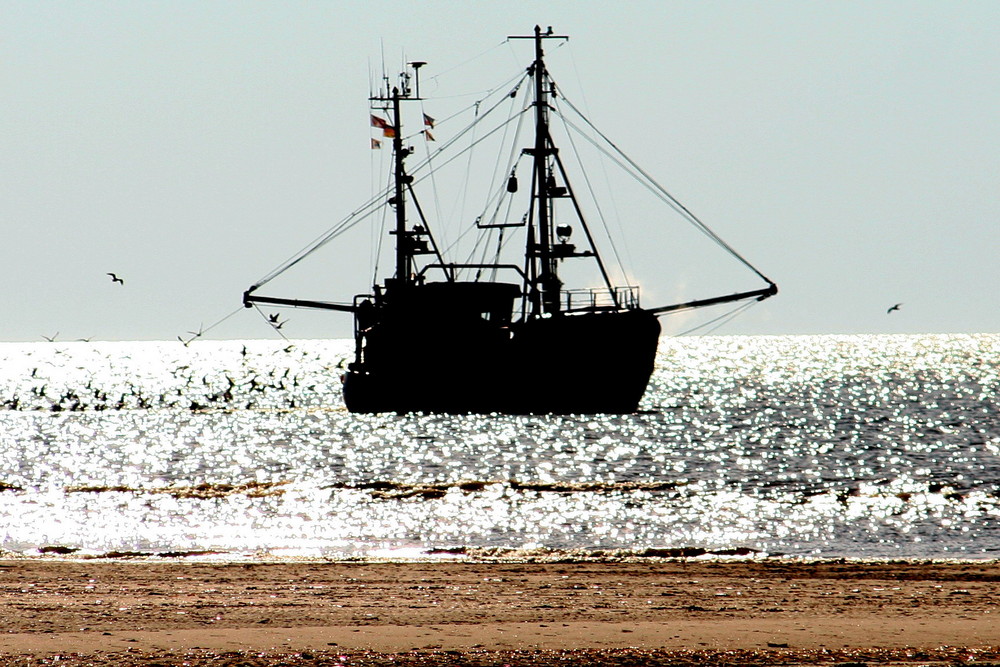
663, 612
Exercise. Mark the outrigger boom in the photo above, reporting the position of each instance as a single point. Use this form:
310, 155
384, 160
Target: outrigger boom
249, 300
759, 295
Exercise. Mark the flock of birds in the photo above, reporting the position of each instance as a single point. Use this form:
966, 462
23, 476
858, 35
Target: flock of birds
277, 378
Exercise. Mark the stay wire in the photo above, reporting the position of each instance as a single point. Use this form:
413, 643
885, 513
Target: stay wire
595, 200
654, 186
369, 207
266, 319
466, 62
359, 214
726, 318
202, 331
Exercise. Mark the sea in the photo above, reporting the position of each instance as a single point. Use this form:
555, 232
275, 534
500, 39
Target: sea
845, 446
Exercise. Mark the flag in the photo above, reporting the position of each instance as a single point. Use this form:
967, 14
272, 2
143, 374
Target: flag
380, 122
428, 135
376, 144
388, 132
428, 121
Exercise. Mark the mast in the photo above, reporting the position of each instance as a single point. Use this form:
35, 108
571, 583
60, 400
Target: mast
547, 278
403, 263
405, 239
546, 285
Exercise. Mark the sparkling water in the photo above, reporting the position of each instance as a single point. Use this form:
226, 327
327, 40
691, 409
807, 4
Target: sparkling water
829, 446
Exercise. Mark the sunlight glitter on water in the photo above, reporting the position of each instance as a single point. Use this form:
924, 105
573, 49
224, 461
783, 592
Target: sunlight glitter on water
814, 445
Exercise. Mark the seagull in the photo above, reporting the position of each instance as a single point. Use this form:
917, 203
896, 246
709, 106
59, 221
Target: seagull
116, 279
896, 307
51, 340
273, 318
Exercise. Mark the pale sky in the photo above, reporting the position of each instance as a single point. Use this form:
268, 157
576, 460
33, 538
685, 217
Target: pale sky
850, 150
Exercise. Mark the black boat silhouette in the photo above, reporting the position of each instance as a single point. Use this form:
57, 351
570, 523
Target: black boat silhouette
497, 335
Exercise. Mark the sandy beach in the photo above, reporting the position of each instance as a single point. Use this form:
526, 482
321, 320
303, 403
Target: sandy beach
670, 612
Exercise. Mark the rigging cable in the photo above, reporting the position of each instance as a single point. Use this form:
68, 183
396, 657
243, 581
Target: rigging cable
725, 317
607, 182
502, 184
428, 160
266, 319
202, 330
379, 237
466, 62
596, 202
429, 157
345, 224
423, 164
369, 207
468, 170
455, 157
658, 189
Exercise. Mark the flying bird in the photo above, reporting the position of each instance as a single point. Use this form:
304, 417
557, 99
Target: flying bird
273, 318
51, 340
116, 279
896, 307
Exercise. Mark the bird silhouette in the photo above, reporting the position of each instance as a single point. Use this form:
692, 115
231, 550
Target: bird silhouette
116, 279
896, 307
273, 318
51, 340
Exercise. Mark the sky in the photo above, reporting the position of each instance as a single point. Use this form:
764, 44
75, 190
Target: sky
849, 150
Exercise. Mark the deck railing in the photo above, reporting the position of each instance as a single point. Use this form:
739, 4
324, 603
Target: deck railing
600, 298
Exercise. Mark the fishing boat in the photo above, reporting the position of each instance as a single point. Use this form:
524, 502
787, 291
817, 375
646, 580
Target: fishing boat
499, 332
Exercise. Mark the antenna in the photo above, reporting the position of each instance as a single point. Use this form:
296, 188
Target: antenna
385, 77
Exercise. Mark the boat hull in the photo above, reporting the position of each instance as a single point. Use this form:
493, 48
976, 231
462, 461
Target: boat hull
580, 363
